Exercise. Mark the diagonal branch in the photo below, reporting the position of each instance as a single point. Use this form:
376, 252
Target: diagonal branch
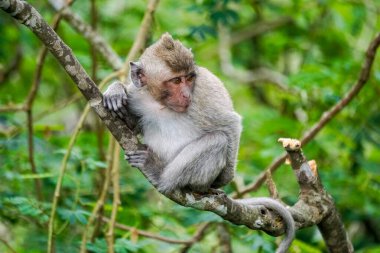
96, 40
259, 28
245, 76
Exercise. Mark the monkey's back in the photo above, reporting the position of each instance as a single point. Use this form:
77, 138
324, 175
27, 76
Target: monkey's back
212, 110
212, 106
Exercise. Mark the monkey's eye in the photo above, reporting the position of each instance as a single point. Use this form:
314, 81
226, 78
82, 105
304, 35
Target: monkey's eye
190, 77
176, 80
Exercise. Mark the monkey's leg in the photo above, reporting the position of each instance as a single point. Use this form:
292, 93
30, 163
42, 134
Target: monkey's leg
197, 165
146, 161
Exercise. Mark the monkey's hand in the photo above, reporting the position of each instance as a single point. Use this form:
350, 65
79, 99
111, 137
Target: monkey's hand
137, 158
115, 99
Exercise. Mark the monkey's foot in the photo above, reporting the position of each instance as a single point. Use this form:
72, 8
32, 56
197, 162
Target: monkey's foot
136, 158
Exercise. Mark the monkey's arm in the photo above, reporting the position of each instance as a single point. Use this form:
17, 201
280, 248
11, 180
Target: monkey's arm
283, 212
197, 165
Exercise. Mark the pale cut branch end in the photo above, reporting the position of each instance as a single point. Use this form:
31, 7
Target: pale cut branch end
290, 144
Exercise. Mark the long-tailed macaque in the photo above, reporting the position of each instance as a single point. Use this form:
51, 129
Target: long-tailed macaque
187, 120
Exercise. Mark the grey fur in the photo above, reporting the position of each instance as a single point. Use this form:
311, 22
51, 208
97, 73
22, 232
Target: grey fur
209, 158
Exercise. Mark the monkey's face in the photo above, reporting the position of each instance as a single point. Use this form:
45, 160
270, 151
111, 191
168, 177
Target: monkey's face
176, 92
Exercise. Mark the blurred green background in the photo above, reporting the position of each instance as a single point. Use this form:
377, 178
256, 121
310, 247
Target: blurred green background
313, 56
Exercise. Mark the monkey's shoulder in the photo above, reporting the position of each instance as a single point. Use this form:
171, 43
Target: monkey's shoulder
212, 106
209, 91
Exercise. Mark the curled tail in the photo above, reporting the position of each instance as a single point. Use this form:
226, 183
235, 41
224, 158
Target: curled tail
283, 212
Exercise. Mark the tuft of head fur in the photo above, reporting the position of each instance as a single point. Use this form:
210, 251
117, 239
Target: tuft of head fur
173, 53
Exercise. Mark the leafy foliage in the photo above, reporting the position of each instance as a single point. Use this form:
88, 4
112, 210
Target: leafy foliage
319, 52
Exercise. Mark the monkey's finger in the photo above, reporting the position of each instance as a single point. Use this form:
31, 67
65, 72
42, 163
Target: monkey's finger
114, 104
136, 162
105, 102
136, 152
119, 102
124, 100
137, 165
135, 158
109, 103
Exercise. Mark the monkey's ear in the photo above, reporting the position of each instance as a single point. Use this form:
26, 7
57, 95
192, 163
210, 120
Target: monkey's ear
137, 75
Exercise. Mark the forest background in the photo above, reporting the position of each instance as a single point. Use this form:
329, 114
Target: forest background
286, 64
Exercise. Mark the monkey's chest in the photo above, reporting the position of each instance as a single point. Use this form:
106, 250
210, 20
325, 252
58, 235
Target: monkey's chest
167, 136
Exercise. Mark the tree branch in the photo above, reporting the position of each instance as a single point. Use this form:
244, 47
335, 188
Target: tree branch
245, 76
312, 208
12, 66
142, 36
5, 242
103, 194
314, 198
326, 117
196, 237
96, 40
259, 28
116, 197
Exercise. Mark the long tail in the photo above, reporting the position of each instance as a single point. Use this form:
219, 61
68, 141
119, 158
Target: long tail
283, 212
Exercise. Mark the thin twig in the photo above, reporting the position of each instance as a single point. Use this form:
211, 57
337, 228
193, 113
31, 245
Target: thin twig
272, 186
259, 28
29, 104
116, 197
58, 106
326, 116
8, 245
12, 67
62, 171
245, 76
196, 237
224, 238
103, 194
12, 108
96, 40
142, 36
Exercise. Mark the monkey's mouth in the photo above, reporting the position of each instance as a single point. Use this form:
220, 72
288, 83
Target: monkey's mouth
179, 108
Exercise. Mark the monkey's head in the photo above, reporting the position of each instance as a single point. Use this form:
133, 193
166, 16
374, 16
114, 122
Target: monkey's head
167, 70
